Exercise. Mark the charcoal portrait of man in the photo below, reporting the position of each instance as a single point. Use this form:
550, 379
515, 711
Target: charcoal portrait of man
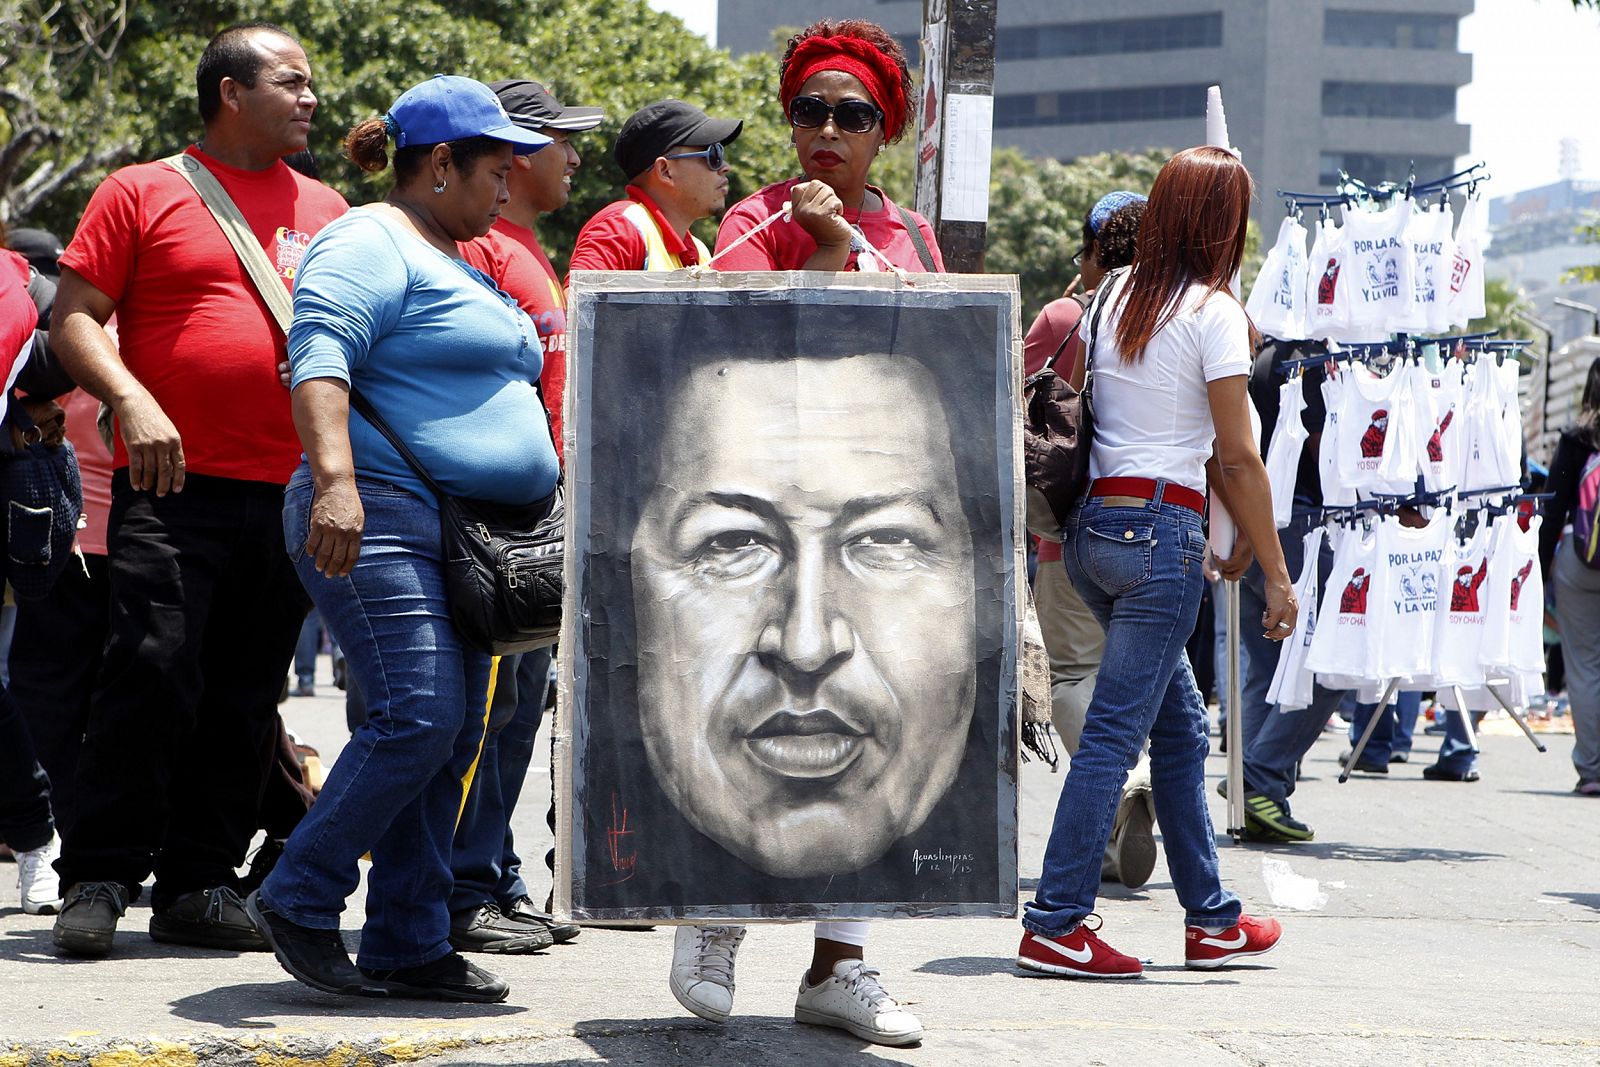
798, 565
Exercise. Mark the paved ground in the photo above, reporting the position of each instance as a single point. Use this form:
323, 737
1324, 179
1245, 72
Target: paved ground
1461, 926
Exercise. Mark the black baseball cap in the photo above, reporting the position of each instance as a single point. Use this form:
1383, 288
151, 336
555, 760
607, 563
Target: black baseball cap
531, 106
41, 248
658, 128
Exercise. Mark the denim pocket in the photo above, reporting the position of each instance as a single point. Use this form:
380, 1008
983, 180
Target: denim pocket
296, 520
1192, 543
1118, 557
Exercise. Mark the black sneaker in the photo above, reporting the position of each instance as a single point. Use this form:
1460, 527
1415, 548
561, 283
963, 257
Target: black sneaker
1275, 817
208, 918
88, 920
262, 860
523, 911
315, 957
1435, 773
485, 929
452, 978
1365, 765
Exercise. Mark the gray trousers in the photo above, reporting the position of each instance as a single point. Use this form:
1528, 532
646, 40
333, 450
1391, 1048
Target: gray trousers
1577, 589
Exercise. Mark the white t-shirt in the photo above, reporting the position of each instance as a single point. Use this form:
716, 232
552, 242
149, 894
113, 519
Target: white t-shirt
1327, 294
1406, 596
1466, 270
1340, 645
1152, 417
1283, 455
1277, 301
1379, 271
1458, 632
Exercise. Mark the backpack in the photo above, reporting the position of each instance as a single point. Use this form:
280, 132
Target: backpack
1586, 513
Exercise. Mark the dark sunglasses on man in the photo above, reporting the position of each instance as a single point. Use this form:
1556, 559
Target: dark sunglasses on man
850, 116
715, 156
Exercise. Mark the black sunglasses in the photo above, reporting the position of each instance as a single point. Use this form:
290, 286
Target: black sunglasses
851, 116
714, 156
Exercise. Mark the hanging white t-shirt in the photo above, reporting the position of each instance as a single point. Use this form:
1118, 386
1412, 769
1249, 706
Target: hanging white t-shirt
1277, 303
1513, 636
1340, 644
1441, 424
1379, 269
1494, 448
1376, 433
1507, 374
1292, 683
1466, 271
1405, 596
1327, 294
1152, 416
1283, 454
1336, 489
1433, 249
1459, 624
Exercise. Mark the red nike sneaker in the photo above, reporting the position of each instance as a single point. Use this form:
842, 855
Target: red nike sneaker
1250, 937
1079, 954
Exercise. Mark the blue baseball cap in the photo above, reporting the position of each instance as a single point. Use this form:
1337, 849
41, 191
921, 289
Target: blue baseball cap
448, 108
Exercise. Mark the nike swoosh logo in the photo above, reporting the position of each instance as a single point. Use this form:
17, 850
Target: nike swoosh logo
1217, 942
1075, 955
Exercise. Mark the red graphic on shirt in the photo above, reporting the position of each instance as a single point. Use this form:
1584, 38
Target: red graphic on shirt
1328, 282
1464, 593
1372, 440
1436, 443
1517, 582
1354, 599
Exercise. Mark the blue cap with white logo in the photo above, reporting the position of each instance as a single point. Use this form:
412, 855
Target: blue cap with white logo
448, 108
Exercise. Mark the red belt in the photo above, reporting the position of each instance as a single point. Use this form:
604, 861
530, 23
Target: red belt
1145, 489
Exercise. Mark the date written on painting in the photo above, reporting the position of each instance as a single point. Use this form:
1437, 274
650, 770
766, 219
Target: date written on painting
941, 862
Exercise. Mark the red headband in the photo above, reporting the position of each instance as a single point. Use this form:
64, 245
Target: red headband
862, 59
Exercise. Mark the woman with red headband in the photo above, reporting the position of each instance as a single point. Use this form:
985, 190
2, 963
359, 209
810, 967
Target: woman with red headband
845, 87
846, 91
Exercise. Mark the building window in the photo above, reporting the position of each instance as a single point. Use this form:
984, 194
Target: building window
1378, 100
1082, 107
1107, 37
1383, 29
1374, 169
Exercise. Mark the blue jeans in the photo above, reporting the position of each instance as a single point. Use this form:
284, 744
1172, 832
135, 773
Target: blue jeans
396, 789
1393, 732
486, 865
1275, 738
306, 649
1138, 570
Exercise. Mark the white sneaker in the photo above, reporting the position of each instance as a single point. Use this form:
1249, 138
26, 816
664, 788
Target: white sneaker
37, 879
853, 1000
702, 969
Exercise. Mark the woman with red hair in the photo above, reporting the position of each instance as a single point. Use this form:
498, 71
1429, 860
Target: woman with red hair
1168, 349
847, 93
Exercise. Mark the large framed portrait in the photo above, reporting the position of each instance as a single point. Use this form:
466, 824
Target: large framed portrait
788, 678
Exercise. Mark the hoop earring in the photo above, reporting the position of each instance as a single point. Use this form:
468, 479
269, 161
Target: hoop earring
439, 186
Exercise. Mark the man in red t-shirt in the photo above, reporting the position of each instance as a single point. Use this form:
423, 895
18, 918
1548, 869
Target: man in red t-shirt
205, 605
490, 906
673, 155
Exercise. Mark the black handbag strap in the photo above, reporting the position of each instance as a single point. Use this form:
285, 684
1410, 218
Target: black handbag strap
917, 239
1095, 311
370, 413
1083, 304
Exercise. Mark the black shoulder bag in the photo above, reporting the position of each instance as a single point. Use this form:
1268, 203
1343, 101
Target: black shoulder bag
502, 563
1058, 428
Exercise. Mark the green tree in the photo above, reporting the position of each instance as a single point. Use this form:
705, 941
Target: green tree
1501, 303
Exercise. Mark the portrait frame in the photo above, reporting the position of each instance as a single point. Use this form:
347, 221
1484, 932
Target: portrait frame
635, 340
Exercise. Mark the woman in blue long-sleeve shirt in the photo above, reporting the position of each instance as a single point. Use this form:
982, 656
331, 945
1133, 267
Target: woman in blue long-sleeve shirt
384, 305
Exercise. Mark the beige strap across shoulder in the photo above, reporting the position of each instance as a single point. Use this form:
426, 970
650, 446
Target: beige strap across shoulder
239, 234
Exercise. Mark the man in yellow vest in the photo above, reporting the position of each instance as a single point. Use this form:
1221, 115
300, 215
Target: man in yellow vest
674, 156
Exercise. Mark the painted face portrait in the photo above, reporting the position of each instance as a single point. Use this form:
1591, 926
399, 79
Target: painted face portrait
803, 588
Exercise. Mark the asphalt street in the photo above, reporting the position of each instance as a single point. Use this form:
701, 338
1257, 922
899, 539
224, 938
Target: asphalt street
1428, 923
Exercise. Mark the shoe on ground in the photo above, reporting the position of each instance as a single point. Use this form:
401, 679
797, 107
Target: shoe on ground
87, 923
1364, 765
1255, 833
1078, 953
453, 977
1275, 817
37, 881
486, 929
1399, 757
208, 918
522, 910
305, 689
1133, 841
1435, 773
851, 999
1248, 937
702, 969
1589, 787
315, 957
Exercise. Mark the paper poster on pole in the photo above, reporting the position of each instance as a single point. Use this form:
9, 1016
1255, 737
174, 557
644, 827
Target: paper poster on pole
928, 116
968, 140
